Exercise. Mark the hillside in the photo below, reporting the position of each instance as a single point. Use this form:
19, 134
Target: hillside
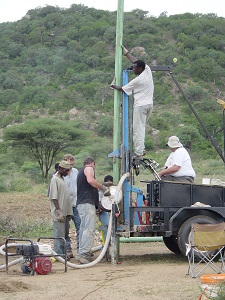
58, 63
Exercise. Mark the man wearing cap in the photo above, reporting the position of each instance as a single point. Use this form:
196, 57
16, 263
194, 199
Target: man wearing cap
71, 180
178, 166
60, 206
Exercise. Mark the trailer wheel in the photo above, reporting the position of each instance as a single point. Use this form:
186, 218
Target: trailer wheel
171, 243
185, 229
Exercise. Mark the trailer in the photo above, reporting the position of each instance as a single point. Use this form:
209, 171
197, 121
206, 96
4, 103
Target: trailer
167, 209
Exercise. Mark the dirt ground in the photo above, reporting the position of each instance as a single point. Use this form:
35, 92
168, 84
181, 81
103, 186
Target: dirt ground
145, 271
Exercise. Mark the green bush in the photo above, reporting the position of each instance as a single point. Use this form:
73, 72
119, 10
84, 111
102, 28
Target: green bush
149, 143
105, 126
25, 228
195, 92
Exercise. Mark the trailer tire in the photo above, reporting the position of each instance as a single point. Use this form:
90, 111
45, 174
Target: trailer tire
185, 229
171, 243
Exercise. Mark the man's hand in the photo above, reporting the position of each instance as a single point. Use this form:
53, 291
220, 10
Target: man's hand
106, 190
59, 215
117, 87
125, 51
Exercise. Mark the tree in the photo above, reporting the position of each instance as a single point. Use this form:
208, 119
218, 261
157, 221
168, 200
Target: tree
43, 139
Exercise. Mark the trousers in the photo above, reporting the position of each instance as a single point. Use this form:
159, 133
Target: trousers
87, 213
187, 179
141, 115
104, 219
76, 221
61, 230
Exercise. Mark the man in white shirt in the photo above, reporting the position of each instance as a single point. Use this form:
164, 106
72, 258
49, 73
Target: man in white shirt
71, 181
142, 89
178, 166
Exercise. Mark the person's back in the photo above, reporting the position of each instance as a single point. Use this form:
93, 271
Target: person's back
142, 88
178, 166
87, 201
85, 192
181, 158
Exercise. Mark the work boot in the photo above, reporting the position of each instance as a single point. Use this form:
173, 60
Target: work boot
137, 159
69, 254
77, 257
85, 260
107, 256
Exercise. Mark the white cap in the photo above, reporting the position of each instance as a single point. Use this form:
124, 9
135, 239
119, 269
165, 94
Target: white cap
174, 142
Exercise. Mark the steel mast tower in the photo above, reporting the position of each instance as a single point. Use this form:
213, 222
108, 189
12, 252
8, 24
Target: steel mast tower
118, 94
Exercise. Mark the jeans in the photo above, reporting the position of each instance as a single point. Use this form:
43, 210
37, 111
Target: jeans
104, 218
87, 213
141, 115
61, 230
76, 221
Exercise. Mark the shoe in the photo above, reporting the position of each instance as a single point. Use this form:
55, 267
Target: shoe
137, 160
84, 260
137, 157
69, 254
77, 257
107, 257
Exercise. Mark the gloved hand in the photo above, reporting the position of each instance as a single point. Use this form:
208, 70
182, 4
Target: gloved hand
106, 190
108, 183
59, 215
125, 51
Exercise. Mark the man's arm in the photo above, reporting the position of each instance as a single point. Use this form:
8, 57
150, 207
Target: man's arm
56, 203
128, 55
168, 171
89, 173
132, 59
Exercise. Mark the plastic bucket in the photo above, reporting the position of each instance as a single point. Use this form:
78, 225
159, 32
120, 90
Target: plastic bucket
210, 285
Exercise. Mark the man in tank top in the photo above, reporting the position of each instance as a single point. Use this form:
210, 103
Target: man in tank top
87, 202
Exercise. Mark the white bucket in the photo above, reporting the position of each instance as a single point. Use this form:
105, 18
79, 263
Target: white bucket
206, 180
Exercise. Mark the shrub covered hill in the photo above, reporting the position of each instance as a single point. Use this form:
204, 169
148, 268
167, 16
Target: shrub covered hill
58, 64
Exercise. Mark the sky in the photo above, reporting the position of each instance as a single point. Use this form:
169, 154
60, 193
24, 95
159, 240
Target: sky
13, 10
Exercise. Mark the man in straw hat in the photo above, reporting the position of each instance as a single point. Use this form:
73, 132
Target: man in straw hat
178, 166
60, 206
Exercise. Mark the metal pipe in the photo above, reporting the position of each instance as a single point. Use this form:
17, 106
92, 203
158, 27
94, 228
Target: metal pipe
117, 94
140, 239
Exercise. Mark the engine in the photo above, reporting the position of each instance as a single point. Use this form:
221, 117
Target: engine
32, 260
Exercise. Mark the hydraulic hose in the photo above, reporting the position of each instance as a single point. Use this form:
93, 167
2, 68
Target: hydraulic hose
119, 186
98, 259
14, 262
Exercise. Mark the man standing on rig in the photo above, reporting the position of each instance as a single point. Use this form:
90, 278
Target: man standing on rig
142, 88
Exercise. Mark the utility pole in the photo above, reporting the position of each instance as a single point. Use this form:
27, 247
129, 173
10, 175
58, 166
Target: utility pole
118, 94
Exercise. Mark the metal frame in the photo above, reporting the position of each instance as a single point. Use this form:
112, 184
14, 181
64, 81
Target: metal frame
125, 154
33, 255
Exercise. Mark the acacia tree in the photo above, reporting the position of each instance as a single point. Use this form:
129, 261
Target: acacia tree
43, 139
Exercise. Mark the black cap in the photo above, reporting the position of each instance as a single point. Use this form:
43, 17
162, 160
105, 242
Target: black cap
108, 178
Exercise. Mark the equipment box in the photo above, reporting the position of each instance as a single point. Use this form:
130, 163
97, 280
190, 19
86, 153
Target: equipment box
175, 194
